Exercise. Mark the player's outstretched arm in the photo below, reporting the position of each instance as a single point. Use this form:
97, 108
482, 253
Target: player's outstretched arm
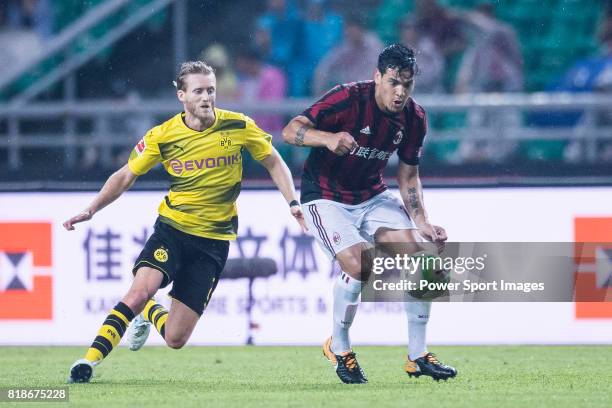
281, 175
117, 183
300, 131
411, 190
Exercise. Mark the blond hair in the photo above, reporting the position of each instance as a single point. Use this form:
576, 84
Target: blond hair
191, 67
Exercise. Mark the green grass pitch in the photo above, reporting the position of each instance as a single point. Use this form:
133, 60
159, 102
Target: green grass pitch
502, 376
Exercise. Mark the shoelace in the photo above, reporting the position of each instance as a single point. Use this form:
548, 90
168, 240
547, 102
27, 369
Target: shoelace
431, 357
350, 361
140, 329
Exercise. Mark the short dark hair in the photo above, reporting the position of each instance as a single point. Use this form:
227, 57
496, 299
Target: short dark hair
397, 56
191, 67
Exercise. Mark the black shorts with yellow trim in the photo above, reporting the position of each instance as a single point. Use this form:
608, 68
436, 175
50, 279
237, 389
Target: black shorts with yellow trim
192, 264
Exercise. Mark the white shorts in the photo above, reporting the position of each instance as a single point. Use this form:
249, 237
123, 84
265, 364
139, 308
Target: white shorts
337, 226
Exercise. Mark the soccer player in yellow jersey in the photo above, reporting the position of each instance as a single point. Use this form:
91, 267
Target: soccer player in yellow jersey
201, 150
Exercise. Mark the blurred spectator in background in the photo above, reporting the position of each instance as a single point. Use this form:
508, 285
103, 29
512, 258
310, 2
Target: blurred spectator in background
429, 58
441, 25
350, 61
492, 63
33, 15
592, 74
26, 24
260, 82
603, 83
277, 31
321, 30
217, 57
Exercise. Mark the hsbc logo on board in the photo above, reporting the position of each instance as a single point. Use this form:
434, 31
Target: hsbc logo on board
593, 263
26, 281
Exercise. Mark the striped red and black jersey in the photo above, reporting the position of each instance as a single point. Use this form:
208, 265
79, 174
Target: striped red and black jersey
358, 176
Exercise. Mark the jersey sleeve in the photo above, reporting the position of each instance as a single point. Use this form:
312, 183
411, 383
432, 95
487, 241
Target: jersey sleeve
145, 154
411, 148
258, 142
329, 112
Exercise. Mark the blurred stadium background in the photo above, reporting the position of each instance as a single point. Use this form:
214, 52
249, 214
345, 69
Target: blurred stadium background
82, 80
519, 95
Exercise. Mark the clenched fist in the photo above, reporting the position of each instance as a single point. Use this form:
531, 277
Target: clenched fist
341, 143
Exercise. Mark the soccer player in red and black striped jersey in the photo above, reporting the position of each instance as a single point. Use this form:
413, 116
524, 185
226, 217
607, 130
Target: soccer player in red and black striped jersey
353, 131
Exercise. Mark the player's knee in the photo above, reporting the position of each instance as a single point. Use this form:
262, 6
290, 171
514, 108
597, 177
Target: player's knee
136, 300
176, 342
351, 265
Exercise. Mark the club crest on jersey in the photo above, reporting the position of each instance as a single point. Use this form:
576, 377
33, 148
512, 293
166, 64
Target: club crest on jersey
225, 143
336, 237
141, 146
398, 137
160, 254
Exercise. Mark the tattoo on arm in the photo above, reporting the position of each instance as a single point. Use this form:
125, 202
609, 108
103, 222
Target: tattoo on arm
299, 137
413, 200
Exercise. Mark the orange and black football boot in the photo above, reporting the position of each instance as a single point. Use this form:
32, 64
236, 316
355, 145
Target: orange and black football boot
346, 365
431, 366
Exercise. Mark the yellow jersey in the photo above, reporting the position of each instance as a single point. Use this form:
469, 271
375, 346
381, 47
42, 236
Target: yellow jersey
205, 168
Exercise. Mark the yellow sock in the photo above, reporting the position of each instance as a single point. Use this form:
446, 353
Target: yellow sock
110, 333
156, 314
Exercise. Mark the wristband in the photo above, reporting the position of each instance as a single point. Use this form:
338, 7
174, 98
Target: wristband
294, 202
